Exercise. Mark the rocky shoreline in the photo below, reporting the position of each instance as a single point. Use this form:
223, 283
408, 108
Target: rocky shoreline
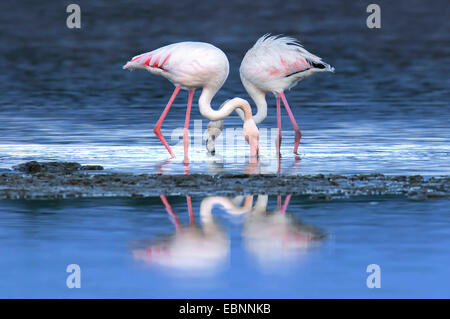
58, 180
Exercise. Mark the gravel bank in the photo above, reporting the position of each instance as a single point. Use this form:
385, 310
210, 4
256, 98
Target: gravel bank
33, 180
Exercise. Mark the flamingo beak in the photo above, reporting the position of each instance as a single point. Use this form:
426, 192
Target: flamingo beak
251, 134
254, 147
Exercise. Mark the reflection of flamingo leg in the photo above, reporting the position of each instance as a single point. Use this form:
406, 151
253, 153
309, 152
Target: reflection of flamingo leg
286, 203
298, 134
191, 211
186, 126
157, 128
171, 212
279, 201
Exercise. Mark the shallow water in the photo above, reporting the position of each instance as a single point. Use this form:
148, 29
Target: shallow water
64, 95
131, 248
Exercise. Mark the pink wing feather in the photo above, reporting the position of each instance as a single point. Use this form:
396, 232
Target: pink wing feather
156, 60
279, 56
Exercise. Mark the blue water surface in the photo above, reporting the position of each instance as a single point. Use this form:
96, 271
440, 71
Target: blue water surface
128, 248
65, 96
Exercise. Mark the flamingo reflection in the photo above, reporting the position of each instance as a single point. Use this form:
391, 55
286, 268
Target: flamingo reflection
269, 235
276, 236
194, 247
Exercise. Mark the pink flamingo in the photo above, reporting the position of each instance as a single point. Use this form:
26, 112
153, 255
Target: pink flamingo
189, 66
274, 64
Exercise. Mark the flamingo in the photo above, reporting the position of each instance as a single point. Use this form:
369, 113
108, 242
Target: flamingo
272, 65
190, 66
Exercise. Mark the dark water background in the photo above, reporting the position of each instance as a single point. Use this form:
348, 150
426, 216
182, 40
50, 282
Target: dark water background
64, 95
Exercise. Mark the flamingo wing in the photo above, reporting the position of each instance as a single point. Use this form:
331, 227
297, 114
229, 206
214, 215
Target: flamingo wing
278, 56
187, 64
156, 61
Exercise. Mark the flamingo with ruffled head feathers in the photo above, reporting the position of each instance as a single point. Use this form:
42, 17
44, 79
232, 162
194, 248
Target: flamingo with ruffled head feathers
190, 66
273, 65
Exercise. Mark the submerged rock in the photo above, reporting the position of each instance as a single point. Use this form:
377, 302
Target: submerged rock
92, 168
47, 167
33, 167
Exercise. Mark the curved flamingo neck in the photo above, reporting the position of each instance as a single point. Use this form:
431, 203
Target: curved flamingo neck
227, 203
227, 108
259, 97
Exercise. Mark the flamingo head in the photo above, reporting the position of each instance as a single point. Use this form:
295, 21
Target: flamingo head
251, 135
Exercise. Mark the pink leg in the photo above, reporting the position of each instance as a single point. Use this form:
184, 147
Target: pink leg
186, 126
157, 129
286, 203
298, 134
279, 165
279, 201
279, 126
170, 212
191, 211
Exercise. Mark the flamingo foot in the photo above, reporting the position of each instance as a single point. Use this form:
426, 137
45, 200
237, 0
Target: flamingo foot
278, 146
279, 165
298, 136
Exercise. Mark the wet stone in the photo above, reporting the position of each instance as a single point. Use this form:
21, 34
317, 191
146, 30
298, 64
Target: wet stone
91, 168
33, 167
415, 179
47, 167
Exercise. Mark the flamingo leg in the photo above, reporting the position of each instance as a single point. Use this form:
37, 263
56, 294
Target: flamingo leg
298, 134
157, 128
171, 212
279, 126
191, 211
186, 126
